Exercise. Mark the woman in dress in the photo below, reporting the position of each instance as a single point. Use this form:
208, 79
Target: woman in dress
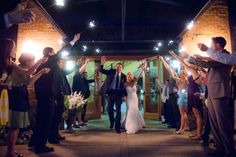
182, 83
193, 103
133, 121
18, 104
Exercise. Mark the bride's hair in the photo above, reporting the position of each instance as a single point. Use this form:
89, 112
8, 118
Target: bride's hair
133, 78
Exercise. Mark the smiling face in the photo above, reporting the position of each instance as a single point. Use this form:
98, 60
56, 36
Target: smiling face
119, 68
129, 77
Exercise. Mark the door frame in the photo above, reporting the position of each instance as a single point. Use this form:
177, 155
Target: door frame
146, 83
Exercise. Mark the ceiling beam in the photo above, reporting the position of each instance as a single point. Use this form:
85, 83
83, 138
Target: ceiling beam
123, 14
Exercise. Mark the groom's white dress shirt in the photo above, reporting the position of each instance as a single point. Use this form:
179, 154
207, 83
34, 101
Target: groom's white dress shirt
113, 84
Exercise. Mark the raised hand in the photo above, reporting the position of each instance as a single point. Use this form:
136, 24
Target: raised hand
79, 61
20, 16
171, 53
76, 37
86, 60
197, 56
202, 47
103, 60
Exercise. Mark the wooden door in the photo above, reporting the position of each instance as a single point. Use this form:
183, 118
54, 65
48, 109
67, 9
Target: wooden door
94, 102
152, 102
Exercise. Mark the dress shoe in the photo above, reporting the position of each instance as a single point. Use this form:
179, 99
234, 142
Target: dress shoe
44, 149
204, 143
76, 126
118, 131
53, 141
60, 138
111, 125
83, 124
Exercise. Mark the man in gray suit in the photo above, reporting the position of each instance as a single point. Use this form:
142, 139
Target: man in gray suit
218, 99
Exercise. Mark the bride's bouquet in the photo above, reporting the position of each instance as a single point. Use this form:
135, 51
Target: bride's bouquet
73, 103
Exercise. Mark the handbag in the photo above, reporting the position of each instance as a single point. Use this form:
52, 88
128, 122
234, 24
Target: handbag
4, 107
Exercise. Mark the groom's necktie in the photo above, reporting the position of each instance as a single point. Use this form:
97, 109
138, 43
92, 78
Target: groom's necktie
117, 81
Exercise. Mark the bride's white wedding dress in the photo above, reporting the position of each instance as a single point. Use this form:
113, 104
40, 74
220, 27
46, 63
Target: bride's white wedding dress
133, 120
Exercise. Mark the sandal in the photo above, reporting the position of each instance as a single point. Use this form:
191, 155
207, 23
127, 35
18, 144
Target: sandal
179, 132
19, 154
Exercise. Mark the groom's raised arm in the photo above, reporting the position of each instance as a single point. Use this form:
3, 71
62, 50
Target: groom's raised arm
102, 70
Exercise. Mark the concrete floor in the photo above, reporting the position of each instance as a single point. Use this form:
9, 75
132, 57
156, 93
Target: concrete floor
96, 140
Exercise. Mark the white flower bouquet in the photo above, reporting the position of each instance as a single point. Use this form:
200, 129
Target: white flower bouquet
73, 103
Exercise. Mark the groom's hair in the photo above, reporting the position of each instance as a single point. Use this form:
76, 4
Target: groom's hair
119, 64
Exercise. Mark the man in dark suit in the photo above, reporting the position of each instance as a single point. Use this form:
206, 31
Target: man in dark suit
81, 84
218, 86
45, 95
115, 89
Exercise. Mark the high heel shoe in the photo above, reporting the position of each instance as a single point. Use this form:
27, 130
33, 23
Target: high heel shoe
179, 132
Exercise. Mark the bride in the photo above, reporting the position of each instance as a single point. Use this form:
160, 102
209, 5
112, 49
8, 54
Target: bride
133, 120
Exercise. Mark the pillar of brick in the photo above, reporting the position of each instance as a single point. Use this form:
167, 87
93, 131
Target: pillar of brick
212, 20
42, 33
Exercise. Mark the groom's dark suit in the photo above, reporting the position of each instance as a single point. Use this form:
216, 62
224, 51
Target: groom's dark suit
114, 87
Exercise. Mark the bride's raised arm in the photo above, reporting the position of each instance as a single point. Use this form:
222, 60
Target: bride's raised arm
141, 71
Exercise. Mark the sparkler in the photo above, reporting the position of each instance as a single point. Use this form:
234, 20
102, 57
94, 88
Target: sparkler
91, 25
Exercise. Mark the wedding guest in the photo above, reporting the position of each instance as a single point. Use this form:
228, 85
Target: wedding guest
81, 85
45, 100
18, 103
218, 86
60, 88
193, 103
164, 99
181, 82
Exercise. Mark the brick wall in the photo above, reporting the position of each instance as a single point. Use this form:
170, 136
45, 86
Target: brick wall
42, 33
212, 21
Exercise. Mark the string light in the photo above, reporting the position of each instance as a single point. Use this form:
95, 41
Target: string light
98, 50
156, 48
60, 3
170, 42
159, 44
190, 25
84, 48
92, 24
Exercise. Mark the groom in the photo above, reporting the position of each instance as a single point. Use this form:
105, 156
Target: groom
114, 88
